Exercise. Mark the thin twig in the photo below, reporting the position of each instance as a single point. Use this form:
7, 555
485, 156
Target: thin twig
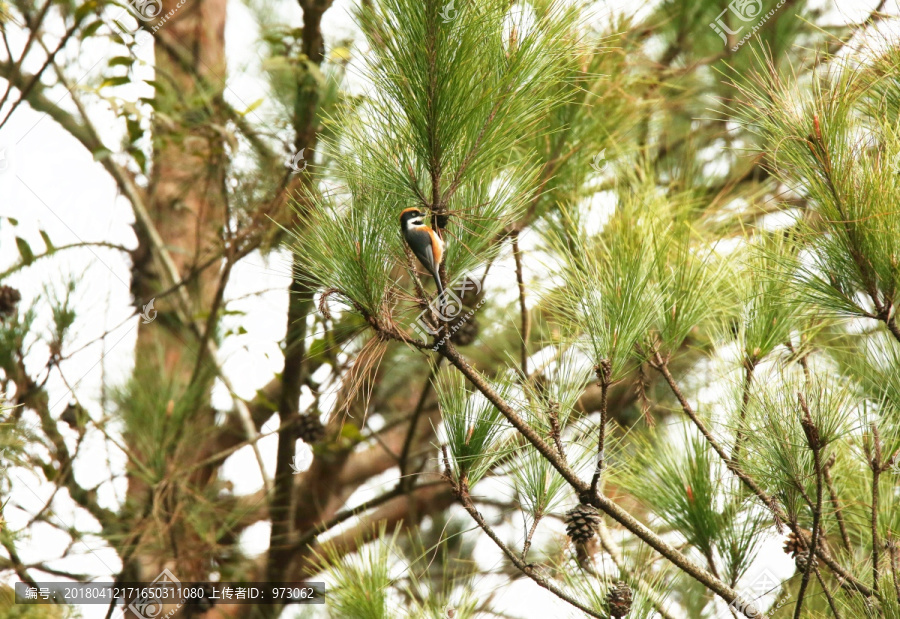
555, 430
526, 568
749, 366
528, 536
892, 554
603, 370
828, 596
341, 516
836, 500
523, 308
876, 465
814, 442
413, 422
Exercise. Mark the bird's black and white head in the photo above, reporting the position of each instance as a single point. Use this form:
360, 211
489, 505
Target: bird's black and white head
411, 218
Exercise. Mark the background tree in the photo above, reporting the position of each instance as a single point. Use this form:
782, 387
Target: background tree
675, 342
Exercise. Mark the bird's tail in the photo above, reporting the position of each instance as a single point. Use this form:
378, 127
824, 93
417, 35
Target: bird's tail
440, 289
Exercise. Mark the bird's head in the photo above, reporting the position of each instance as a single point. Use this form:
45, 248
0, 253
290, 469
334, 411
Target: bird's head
411, 218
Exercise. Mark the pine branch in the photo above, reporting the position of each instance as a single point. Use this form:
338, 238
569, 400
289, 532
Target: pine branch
413, 423
877, 467
832, 492
814, 443
603, 371
399, 490
532, 571
597, 500
609, 546
523, 308
770, 504
828, 596
749, 366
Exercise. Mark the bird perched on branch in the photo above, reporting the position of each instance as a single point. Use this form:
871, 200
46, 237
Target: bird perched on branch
424, 242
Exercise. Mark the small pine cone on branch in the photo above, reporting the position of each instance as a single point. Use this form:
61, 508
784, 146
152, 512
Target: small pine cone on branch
618, 600
582, 522
793, 545
310, 429
9, 298
466, 331
802, 560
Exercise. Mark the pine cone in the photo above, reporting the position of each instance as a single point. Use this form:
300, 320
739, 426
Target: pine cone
467, 332
310, 429
581, 523
72, 415
9, 298
792, 545
802, 559
618, 599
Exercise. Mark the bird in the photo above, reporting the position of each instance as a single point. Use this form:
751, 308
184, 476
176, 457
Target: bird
424, 242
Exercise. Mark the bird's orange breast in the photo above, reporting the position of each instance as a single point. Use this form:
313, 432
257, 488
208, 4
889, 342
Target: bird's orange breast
437, 247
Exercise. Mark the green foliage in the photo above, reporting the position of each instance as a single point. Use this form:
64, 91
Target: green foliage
682, 484
467, 89
606, 287
361, 581
568, 375
350, 249
160, 414
690, 277
445, 127
769, 310
821, 146
473, 427
539, 487
780, 453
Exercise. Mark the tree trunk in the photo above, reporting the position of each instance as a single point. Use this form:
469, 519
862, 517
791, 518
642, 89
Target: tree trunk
187, 204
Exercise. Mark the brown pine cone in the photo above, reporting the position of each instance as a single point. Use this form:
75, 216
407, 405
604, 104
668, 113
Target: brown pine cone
802, 559
310, 429
466, 333
618, 600
794, 545
9, 298
582, 522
